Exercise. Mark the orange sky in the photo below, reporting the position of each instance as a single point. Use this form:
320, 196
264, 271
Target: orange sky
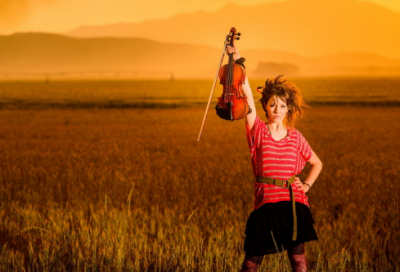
64, 15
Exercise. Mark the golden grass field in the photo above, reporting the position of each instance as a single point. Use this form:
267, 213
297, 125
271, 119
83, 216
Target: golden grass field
184, 93
130, 189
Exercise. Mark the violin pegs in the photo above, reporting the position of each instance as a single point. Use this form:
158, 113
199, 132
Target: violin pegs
238, 34
238, 38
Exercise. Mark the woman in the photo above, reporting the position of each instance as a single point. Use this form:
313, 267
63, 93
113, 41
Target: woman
281, 219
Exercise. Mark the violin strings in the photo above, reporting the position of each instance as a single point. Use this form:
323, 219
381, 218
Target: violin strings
231, 73
230, 76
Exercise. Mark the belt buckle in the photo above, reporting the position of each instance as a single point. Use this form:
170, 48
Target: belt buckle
286, 184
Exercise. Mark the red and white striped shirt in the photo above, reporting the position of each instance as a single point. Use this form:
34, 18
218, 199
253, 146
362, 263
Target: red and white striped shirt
276, 159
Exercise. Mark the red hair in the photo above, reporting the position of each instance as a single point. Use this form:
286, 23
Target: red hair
286, 91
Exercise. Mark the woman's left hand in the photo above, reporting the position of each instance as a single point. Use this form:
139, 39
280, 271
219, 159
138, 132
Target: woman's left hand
300, 185
234, 50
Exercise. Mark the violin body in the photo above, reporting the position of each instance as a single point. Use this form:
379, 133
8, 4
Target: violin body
232, 104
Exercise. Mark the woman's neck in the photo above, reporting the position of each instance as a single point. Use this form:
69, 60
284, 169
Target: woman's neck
276, 126
278, 131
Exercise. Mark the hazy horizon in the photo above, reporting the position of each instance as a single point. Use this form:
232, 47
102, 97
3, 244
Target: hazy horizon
298, 37
55, 15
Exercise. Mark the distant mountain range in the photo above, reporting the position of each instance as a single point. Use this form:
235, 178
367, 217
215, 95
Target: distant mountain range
305, 27
43, 52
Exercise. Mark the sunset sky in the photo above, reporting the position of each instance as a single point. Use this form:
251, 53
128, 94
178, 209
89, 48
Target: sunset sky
63, 15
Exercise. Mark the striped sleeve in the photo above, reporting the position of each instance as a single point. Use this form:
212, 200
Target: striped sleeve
255, 143
252, 141
304, 148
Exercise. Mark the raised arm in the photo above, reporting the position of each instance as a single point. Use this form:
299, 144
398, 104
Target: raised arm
250, 118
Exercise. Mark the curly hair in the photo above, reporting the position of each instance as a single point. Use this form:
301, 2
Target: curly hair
286, 91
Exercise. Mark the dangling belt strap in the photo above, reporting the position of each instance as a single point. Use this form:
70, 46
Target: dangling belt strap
287, 184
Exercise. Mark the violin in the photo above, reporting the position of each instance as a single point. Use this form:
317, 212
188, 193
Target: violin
232, 104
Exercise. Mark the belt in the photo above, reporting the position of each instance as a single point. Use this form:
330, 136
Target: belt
287, 184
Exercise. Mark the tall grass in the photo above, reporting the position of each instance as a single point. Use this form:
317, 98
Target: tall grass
133, 190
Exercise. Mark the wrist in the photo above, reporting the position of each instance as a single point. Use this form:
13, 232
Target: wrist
240, 60
307, 185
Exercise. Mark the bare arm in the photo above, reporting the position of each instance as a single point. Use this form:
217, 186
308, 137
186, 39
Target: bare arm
316, 167
250, 118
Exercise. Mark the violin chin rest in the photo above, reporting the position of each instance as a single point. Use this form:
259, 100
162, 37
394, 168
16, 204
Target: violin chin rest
223, 113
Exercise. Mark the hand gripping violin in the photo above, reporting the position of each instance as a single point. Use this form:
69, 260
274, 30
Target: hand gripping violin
232, 105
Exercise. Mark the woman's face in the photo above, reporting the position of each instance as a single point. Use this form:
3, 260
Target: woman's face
276, 109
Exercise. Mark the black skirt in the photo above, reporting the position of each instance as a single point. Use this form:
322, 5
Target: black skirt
269, 228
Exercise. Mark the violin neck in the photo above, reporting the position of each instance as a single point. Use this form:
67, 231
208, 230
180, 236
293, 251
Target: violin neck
230, 69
